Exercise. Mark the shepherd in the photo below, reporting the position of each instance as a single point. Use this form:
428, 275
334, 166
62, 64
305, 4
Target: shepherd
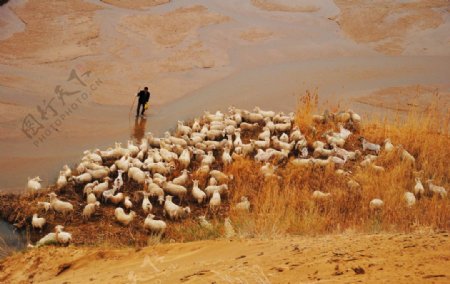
144, 96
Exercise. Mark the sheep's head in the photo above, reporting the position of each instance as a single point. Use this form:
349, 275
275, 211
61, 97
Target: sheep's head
52, 195
151, 216
59, 228
35, 215
169, 198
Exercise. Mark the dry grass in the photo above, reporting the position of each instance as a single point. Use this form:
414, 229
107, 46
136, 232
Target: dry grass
285, 205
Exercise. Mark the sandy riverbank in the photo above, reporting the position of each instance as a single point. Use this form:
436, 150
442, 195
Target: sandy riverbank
412, 258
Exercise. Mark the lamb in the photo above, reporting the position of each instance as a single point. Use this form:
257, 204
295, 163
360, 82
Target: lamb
62, 181
45, 205
60, 206
182, 179
376, 204
409, 198
265, 134
370, 146
157, 227
63, 238
437, 189
154, 190
89, 210
319, 195
121, 217
197, 193
34, 184
244, 205
215, 200
123, 164
419, 190
38, 222
302, 162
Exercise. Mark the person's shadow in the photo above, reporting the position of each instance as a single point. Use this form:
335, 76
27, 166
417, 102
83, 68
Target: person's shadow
139, 128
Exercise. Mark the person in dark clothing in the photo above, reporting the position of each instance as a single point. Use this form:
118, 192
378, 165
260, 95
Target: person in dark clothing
144, 96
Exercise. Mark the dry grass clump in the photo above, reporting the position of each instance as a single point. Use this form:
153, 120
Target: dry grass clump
285, 205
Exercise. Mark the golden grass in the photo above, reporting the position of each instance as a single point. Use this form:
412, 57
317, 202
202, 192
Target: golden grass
285, 205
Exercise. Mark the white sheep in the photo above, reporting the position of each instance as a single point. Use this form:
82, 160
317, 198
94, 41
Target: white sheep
67, 171
99, 188
215, 200
119, 180
82, 178
61, 182
136, 174
90, 198
117, 198
45, 205
154, 190
226, 157
197, 193
185, 158
419, 190
175, 189
122, 217
229, 230
127, 202
369, 146
182, 179
38, 222
204, 223
410, 199
222, 189
89, 210
34, 184
48, 239
157, 227
64, 238
60, 206
243, 205
435, 189
174, 211
376, 204
146, 204
388, 146
319, 195
406, 156
220, 176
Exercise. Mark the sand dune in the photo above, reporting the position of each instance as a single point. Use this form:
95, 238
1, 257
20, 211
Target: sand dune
348, 258
136, 4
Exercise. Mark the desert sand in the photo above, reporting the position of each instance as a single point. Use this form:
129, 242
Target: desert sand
348, 258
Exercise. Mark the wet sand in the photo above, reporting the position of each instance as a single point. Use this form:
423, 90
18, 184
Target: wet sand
199, 55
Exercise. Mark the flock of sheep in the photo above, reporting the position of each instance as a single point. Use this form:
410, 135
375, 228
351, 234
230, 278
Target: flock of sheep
199, 151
